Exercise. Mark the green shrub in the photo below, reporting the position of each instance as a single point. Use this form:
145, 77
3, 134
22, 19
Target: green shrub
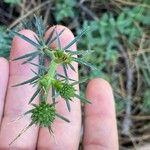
64, 9
5, 42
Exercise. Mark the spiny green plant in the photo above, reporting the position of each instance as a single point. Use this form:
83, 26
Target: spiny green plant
47, 78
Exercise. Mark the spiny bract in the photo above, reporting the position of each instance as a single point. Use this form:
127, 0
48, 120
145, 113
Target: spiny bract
67, 91
44, 114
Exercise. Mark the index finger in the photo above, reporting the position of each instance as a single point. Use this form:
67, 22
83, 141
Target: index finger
17, 98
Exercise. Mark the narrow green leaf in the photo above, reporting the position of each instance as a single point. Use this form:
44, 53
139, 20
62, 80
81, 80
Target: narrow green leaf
65, 77
62, 117
31, 58
39, 25
53, 94
38, 40
22, 131
34, 95
83, 99
26, 39
68, 105
76, 39
80, 61
80, 52
42, 71
80, 81
72, 67
28, 112
27, 82
34, 105
51, 41
26, 55
58, 41
39, 66
50, 36
34, 72
65, 71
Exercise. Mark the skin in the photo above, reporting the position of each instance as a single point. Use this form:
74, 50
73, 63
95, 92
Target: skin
100, 130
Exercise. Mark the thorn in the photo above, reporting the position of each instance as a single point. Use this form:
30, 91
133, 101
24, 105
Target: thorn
53, 135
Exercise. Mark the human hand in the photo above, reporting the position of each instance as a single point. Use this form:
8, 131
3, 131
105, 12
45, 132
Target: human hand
100, 131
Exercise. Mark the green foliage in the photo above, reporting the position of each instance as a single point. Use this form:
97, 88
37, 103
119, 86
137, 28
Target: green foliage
64, 9
44, 114
146, 102
104, 36
119, 104
5, 42
12, 2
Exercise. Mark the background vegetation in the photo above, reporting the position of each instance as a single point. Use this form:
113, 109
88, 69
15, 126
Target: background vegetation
120, 36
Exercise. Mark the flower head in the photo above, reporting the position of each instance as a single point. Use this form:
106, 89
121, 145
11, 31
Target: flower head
67, 91
62, 57
44, 114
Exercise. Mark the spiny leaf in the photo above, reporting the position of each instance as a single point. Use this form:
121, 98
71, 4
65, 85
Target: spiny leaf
31, 58
34, 95
80, 81
34, 105
39, 25
50, 36
41, 70
22, 131
26, 55
72, 67
51, 132
28, 112
80, 61
62, 117
26, 39
27, 82
68, 105
76, 39
65, 71
51, 41
80, 52
38, 40
53, 94
58, 40
34, 72
22, 116
65, 77
83, 99
40, 66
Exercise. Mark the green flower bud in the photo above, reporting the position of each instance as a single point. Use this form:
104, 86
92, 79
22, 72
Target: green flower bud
67, 91
44, 114
62, 57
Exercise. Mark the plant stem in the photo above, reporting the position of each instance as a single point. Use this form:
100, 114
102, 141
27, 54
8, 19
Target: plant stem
52, 69
50, 74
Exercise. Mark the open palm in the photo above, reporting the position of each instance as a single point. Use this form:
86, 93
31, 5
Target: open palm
100, 131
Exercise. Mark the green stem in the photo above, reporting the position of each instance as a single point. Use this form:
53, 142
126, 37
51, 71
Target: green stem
52, 69
50, 74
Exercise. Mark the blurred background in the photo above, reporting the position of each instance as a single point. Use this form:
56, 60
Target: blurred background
120, 36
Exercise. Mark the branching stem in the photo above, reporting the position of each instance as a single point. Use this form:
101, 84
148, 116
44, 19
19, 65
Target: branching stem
51, 75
